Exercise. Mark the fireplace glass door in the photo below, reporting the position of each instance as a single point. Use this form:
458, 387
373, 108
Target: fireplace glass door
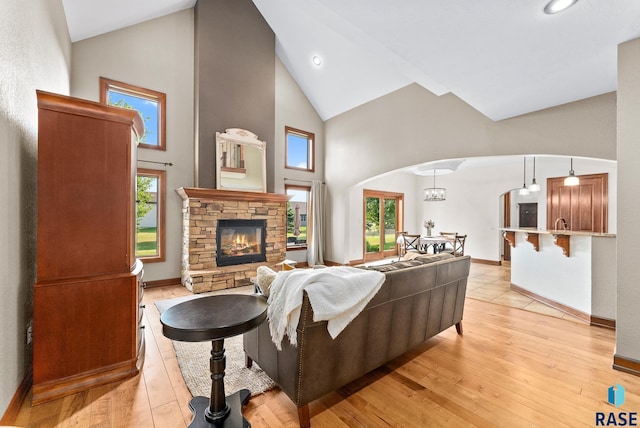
240, 241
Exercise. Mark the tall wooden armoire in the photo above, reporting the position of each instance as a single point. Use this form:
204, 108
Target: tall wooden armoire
88, 291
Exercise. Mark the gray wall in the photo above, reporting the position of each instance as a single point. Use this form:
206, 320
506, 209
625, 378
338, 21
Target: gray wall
35, 53
411, 126
628, 241
157, 55
235, 79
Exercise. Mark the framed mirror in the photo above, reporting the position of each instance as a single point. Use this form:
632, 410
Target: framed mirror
240, 161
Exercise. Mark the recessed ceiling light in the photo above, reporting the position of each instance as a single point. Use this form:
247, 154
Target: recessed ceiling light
555, 6
316, 60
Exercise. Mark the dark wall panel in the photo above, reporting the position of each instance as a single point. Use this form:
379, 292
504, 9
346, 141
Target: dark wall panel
235, 79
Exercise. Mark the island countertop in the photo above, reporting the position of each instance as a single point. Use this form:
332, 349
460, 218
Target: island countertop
556, 232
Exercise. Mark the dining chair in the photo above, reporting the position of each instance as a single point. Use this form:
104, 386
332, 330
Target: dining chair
411, 243
400, 242
458, 245
448, 247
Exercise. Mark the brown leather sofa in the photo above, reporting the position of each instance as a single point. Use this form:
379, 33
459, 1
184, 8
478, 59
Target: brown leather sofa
419, 299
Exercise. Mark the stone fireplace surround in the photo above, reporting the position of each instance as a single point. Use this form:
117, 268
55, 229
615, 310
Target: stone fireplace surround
201, 210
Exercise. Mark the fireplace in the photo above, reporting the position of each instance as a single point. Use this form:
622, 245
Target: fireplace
202, 209
240, 241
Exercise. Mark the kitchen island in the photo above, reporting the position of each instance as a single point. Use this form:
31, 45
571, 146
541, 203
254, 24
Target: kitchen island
573, 271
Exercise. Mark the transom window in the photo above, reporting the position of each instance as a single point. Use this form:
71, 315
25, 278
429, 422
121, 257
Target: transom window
150, 104
299, 151
298, 229
150, 214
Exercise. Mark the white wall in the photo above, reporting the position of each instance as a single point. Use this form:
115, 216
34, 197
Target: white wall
550, 274
157, 55
411, 126
35, 53
603, 277
627, 331
473, 204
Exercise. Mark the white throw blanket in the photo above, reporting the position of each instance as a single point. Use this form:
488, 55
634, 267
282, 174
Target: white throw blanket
337, 295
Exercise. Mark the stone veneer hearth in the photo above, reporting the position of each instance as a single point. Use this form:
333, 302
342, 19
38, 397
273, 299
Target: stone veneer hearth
201, 210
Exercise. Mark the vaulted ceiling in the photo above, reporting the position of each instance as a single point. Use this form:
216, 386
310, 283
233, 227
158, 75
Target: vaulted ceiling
503, 57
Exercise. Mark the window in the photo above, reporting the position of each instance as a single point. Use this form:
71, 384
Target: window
299, 149
297, 227
150, 212
150, 104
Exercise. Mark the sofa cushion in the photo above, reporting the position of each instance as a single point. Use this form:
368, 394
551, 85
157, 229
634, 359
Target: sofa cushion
430, 258
393, 266
421, 259
410, 255
265, 278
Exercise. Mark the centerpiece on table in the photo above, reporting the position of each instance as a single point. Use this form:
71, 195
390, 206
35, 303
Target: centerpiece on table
429, 224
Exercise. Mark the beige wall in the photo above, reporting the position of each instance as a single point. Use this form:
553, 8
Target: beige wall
628, 241
294, 110
412, 126
35, 53
157, 55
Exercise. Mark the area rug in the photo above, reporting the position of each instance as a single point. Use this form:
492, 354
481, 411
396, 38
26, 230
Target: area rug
193, 358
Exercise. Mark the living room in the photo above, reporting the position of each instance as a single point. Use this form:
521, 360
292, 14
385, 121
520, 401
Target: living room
382, 136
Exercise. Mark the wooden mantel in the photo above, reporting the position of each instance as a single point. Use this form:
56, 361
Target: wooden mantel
229, 195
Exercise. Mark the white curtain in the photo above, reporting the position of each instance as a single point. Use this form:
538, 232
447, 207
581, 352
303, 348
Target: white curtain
315, 247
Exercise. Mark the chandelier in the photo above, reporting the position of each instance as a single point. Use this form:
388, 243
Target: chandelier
435, 193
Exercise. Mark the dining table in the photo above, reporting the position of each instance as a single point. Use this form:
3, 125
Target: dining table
436, 243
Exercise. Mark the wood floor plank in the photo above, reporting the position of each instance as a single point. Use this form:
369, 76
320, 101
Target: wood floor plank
101, 402
156, 378
131, 404
75, 410
170, 362
168, 416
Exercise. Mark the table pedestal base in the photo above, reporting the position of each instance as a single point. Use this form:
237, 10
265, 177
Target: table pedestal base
199, 405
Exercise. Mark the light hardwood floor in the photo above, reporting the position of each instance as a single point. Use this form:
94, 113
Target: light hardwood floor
511, 368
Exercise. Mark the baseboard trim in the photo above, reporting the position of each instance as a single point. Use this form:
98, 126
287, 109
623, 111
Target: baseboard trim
163, 282
11, 414
626, 365
603, 322
330, 263
487, 262
551, 303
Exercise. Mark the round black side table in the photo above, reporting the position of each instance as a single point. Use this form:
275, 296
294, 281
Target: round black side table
214, 318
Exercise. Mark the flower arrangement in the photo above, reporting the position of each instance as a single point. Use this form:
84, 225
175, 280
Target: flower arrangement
429, 224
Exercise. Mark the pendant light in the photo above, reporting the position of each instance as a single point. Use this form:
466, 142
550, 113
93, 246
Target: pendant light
524, 191
534, 187
435, 193
571, 180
